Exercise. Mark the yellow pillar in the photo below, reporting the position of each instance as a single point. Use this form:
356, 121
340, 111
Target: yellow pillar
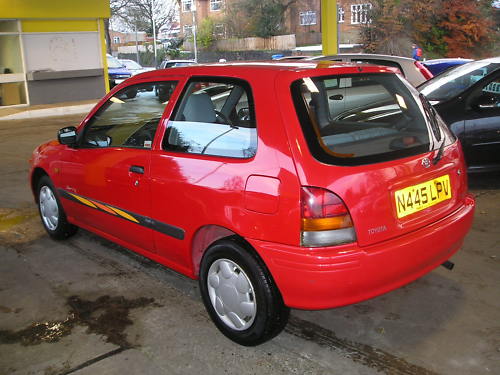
329, 26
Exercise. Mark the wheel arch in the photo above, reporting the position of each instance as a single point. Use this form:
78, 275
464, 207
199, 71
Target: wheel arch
205, 237
36, 175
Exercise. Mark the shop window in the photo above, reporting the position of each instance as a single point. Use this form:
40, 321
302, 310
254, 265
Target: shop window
12, 77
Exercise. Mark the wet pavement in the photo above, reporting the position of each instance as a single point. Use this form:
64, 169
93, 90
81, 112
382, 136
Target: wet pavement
88, 306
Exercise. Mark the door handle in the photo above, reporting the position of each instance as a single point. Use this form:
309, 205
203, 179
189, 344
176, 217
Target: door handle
136, 169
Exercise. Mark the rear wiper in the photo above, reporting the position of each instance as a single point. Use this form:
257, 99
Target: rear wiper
439, 154
431, 115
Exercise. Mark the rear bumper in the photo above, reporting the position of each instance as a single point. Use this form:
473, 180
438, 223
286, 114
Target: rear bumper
322, 278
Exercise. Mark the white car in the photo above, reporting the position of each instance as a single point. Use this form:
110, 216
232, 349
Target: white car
414, 71
134, 67
175, 63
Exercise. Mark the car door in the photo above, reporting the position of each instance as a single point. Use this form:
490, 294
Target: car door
200, 173
107, 176
482, 125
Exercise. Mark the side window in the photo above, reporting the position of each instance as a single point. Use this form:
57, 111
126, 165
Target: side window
130, 117
492, 93
214, 117
486, 96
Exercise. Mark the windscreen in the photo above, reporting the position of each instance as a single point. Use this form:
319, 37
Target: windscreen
457, 80
114, 63
361, 119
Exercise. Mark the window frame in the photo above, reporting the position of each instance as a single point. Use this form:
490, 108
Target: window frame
359, 13
187, 6
187, 33
218, 33
306, 15
341, 14
88, 124
182, 98
220, 3
315, 147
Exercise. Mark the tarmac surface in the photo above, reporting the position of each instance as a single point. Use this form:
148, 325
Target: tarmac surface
88, 306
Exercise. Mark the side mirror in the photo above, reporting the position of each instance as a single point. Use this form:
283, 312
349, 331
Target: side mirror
244, 114
67, 136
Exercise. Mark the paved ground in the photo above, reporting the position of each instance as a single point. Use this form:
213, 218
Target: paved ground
87, 306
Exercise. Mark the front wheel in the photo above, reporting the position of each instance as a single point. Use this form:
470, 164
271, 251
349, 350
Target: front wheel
51, 211
240, 294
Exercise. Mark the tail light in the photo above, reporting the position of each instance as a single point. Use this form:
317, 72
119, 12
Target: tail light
325, 219
425, 72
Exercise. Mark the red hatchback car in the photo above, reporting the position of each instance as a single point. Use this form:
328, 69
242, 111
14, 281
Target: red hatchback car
278, 185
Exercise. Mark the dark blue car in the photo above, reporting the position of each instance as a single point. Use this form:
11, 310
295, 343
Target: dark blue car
439, 66
117, 73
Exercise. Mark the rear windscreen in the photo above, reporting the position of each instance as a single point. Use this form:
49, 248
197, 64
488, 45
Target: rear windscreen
360, 119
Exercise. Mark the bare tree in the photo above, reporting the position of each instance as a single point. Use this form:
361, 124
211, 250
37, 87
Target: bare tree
117, 7
143, 15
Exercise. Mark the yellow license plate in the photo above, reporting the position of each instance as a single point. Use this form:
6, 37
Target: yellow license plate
418, 197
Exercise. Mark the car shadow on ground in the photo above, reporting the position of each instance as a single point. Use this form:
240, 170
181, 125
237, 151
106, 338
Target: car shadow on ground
480, 181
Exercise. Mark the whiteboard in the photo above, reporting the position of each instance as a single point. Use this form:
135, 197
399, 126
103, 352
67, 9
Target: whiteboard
62, 51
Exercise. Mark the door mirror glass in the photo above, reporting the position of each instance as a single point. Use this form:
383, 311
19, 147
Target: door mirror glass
67, 136
244, 114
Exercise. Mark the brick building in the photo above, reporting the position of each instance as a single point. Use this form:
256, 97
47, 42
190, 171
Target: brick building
119, 39
303, 18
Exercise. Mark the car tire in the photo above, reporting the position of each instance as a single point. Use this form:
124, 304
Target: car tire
240, 295
131, 94
51, 211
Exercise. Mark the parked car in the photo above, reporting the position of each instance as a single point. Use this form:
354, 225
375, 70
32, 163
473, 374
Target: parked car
439, 66
414, 71
249, 179
175, 63
292, 58
134, 67
468, 99
117, 73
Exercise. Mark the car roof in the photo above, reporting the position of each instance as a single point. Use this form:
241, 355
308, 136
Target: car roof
169, 61
495, 60
365, 55
447, 59
249, 68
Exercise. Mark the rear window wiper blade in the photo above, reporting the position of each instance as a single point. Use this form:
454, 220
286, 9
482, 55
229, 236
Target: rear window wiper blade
439, 154
431, 116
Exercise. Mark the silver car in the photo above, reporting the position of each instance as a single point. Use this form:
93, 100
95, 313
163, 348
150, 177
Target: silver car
414, 71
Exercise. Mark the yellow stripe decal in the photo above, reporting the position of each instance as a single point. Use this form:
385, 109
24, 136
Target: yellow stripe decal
147, 222
83, 200
105, 208
124, 214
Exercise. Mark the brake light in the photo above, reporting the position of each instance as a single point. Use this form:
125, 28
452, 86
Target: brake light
325, 218
425, 72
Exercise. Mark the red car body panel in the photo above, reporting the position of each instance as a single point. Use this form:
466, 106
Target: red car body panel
204, 198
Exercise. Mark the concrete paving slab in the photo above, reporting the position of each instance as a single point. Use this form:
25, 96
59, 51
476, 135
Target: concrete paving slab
46, 110
123, 313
